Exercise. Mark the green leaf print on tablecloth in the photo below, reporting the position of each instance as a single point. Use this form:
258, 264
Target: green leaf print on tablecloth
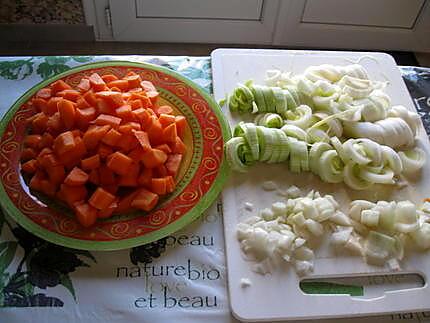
57, 64
46, 66
42, 266
19, 69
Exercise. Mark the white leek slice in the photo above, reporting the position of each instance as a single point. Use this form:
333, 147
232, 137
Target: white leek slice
242, 99
281, 104
330, 167
295, 132
396, 132
356, 152
267, 141
315, 153
300, 117
299, 160
351, 175
364, 130
411, 118
354, 70
372, 149
355, 87
324, 72
339, 148
375, 106
317, 135
249, 132
385, 176
238, 154
392, 159
332, 127
269, 120
412, 160
282, 143
325, 102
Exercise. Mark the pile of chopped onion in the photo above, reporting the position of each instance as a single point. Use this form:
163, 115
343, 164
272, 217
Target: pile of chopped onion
287, 230
282, 232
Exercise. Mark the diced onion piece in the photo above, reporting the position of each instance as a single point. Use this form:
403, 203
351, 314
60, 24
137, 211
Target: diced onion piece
405, 217
279, 208
370, 218
304, 253
325, 209
357, 207
386, 215
422, 236
341, 236
269, 186
298, 219
293, 191
340, 218
378, 247
314, 227
267, 214
303, 267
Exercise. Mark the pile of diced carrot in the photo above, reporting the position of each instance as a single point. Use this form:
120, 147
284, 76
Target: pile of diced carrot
105, 147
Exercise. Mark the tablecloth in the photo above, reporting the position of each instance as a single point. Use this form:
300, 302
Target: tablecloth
180, 277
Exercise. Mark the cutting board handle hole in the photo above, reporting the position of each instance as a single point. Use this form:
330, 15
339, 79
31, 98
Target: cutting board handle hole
363, 286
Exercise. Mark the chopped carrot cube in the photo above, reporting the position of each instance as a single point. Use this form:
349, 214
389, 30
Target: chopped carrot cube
119, 163
101, 199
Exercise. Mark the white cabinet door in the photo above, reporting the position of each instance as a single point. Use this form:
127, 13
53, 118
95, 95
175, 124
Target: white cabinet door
204, 21
351, 24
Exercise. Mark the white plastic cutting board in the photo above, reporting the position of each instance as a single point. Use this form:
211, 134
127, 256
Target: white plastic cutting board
277, 296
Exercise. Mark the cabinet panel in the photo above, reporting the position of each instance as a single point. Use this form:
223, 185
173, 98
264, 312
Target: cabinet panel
199, 21
210, 9
340, 24
382, 13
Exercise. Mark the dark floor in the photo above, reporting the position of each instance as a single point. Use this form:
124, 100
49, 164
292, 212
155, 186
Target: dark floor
42, 11
31, 48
